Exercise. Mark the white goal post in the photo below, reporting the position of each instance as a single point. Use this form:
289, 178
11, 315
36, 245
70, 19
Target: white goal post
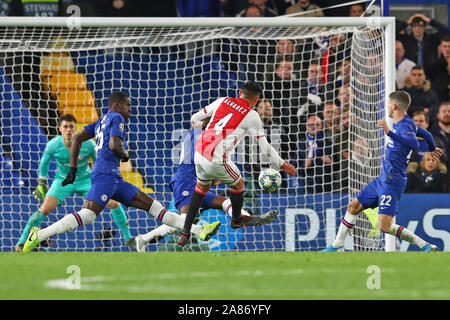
171, 67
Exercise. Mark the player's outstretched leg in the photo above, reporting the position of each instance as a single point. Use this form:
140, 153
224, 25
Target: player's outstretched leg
247, 219
67, 223
194, 205
387, 226
34, 221
347, 224
237, 200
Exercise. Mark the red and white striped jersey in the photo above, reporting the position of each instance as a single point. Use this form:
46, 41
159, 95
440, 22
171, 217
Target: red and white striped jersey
231, 119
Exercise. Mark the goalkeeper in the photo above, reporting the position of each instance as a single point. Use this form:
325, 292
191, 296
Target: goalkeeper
59, 149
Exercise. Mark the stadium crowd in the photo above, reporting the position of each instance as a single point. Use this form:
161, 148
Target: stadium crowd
307, 84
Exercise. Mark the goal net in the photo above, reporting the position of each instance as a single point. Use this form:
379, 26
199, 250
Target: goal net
324, 84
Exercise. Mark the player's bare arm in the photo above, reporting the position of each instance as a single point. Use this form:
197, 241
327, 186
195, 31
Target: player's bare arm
288, 168
116, 146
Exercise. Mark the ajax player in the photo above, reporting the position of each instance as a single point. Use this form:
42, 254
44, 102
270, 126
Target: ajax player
58, 148
183, 185
231, 119
385, 191
107, 182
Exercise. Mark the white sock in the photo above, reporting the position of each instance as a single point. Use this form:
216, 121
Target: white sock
226, 206
161, 231
171, 219
344, 228
404, 234
67, 223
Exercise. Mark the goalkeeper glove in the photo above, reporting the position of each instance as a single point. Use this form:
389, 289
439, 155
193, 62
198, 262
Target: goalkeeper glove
41, 189
70, 176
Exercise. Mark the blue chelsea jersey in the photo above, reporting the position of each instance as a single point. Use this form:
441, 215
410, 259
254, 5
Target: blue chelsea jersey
401, 142
111, 124
186, 170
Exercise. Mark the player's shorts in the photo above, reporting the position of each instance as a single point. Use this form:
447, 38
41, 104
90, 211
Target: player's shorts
208, 171
182, 191
80, 187
106, 187
382, 195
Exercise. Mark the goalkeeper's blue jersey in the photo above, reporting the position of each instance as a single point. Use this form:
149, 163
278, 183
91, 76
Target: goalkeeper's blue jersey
401, 142
111, 124
186, 170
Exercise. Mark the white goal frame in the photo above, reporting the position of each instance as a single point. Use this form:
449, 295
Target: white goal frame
388, 23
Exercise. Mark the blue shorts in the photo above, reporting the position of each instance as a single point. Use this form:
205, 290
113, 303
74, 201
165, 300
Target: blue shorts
182, 191
382, 195
105, 187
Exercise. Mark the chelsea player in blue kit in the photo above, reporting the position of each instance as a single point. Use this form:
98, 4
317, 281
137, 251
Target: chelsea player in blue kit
385, 191
183, 184
107, 181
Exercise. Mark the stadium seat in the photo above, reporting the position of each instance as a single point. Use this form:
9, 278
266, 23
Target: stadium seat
136, 179
80, 103
84, 115
56, 62
66, 81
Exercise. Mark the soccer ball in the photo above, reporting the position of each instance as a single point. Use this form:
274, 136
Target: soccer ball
269, 180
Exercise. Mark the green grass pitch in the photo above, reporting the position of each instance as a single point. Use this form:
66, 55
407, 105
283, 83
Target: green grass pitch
225, 275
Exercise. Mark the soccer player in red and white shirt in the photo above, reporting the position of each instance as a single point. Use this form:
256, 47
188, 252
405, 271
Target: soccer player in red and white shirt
231, 119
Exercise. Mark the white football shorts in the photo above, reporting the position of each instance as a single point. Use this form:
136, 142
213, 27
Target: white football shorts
208, 171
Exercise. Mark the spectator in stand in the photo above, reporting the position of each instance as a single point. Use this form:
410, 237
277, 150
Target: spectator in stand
344, 97
422, 96
312, 95
357, 10
421, 47
402, 65
438, 70
330, 114
199, 8
285, 49
428, 178
421, 119
304, 8
441, 129
314, 158
343, 79
274, 132
43, 8
362, 164
338, 50
266, 10
283, 89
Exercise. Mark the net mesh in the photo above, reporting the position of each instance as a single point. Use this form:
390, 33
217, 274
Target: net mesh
323, 91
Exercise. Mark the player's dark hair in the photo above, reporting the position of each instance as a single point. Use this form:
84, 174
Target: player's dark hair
117, 97
401, 98
67, 117
252, 89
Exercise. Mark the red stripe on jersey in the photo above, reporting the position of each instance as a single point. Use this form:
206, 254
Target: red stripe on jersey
225, 120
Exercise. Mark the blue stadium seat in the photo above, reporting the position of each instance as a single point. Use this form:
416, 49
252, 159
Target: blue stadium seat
20, 132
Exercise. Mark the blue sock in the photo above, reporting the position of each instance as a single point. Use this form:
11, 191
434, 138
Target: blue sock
34, 221
120, 218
